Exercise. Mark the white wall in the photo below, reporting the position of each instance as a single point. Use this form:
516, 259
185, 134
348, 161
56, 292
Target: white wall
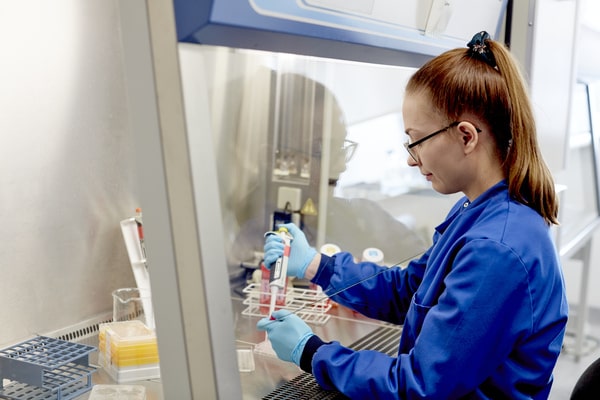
588, 60
66, 169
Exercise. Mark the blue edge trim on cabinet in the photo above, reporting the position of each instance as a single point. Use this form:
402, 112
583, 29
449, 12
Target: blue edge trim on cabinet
236, 23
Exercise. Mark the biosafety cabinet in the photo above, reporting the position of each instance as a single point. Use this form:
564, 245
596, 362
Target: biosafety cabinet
251, 112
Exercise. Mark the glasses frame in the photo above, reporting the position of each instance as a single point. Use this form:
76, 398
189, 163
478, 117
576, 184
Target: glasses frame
349, 148
409, 146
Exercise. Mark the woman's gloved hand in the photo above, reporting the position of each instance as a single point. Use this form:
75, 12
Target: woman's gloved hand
301, 254
288, 334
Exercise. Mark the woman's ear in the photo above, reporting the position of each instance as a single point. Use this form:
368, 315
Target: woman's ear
469, 136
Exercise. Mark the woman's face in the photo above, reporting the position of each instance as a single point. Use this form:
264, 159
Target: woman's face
440, 158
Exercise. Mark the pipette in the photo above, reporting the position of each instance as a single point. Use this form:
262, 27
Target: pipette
277, 281
278, 277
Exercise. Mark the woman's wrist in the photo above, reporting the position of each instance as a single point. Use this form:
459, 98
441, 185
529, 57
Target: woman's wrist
313, 267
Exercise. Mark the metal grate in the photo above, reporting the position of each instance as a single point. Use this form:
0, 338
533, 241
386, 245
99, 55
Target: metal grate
304, 387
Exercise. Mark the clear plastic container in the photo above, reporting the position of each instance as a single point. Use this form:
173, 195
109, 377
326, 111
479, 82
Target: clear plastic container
118, 392
131, 304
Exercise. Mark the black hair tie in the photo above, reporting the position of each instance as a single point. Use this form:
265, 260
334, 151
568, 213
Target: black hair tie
479, 48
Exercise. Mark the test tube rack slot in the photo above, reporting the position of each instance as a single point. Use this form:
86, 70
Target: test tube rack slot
309, 304
44, 368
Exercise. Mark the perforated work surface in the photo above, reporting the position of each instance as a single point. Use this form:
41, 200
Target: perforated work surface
304, 387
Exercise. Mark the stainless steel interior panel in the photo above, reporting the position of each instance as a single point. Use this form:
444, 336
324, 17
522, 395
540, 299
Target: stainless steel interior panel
66, 164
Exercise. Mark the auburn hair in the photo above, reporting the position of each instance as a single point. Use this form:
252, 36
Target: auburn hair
459, 82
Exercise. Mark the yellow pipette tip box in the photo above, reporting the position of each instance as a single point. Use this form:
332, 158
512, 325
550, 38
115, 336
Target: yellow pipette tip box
128, 351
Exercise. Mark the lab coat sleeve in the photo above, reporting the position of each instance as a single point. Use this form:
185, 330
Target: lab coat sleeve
340, 271
483, 311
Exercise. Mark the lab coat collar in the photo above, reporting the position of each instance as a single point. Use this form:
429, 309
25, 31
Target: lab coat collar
464, 205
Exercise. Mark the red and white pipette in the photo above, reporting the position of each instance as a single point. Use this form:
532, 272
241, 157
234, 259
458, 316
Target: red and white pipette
278, 277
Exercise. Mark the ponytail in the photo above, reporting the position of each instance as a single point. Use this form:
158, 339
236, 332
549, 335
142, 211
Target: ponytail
529, 179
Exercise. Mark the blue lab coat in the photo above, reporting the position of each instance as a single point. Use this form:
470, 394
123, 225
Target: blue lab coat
484, 311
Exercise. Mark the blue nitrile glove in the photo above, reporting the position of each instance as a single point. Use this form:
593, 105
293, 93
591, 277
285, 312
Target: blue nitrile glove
273, 250
288, 334
301, 254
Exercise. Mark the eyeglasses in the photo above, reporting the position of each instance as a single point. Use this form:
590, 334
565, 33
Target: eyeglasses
410, 146
349, 148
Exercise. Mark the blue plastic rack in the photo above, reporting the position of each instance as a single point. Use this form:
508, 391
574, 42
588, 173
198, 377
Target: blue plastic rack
44, 368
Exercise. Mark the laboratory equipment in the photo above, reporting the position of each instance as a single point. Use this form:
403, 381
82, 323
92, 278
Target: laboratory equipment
373, 254
309, 304
180, 145
118, 392
265, 291
128, 351
330, 249
130, 304
132, 231
45, 368
245, 358
376, 31
384, 339
278, 279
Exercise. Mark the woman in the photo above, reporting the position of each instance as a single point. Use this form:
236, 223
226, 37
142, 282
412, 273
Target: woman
484, 309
